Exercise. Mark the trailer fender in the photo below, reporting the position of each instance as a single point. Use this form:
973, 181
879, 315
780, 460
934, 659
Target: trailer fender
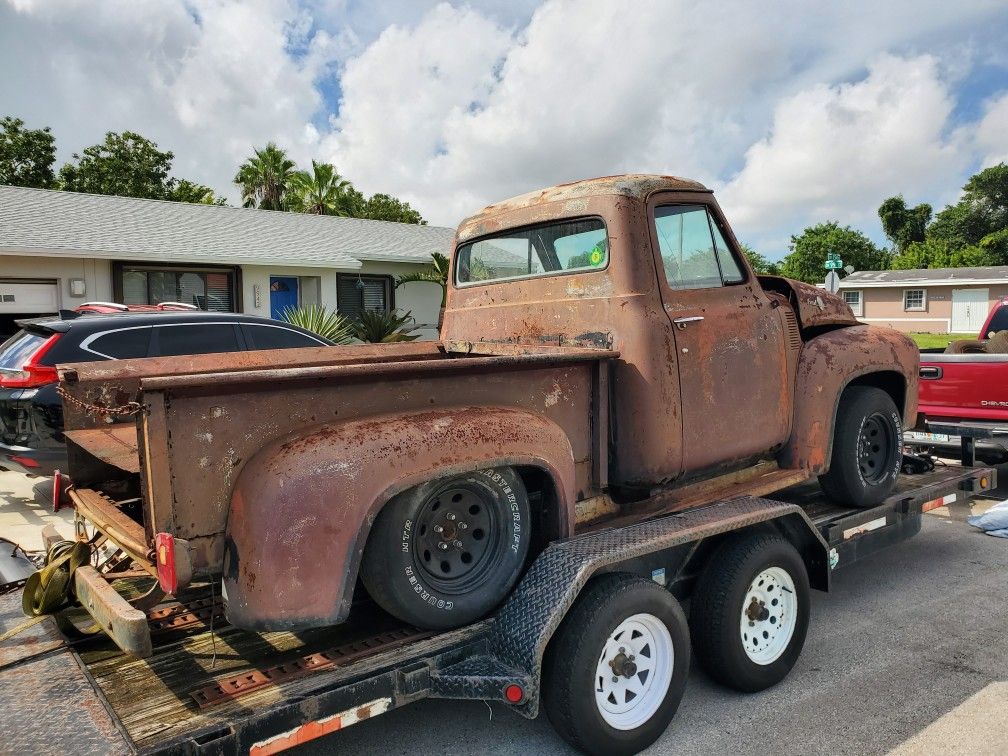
830, 362
303, 506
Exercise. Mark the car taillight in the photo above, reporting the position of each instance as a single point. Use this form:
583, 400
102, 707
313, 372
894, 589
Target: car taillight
164, 552
31, 373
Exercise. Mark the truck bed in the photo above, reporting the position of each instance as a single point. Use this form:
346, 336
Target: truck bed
189, 691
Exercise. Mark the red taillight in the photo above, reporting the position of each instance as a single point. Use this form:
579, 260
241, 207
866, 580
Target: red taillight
164, 552
514, 694
31, 373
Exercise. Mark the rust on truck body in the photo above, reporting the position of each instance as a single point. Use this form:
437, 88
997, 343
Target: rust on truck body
627, 395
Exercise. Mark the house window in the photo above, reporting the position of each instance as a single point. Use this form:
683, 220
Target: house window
914, 300
212, 289
853, 299
357, 293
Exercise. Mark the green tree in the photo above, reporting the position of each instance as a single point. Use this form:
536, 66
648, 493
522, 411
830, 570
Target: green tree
387, 208
184, 190
981, 211
807, 259
904, 225
938, 253
265, 178
27, 156
436, 272
760, 264
126, 164
322, 191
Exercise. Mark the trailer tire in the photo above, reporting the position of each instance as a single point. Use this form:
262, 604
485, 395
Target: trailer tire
616, 614
867, 448
749, 612
445, 553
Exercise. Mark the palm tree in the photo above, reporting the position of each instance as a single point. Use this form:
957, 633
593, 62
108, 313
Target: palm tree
321, 192
436, 272
265, 178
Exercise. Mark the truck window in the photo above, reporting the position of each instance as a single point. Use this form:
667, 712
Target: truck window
548, 249
694, 252
999, 322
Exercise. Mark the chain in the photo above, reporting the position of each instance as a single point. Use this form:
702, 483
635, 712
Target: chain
124, 410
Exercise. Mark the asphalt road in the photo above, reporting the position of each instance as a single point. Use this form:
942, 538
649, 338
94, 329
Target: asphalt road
905, 637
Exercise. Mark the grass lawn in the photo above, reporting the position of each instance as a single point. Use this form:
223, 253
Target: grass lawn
938, 340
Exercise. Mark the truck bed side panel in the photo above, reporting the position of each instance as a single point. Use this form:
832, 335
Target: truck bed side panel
966, 386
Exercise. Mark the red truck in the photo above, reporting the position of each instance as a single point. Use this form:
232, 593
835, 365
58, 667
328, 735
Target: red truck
964, 393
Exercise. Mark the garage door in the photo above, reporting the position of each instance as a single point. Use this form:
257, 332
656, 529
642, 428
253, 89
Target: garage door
28, 296
969, 310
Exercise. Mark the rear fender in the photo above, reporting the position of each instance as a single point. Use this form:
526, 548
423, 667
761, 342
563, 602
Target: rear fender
827, 365
303, 507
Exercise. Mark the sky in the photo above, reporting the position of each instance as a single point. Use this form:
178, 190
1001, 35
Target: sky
795, 113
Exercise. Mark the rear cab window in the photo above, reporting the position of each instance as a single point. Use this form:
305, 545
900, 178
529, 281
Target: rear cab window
544, 250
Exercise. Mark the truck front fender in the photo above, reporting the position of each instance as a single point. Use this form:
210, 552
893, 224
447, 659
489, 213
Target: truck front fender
303, 506
827, 365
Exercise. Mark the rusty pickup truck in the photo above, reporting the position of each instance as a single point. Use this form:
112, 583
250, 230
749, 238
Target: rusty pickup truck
607, 356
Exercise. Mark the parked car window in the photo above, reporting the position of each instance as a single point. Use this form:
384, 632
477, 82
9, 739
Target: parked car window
687, 248
202, 338
120, 344
276, 337
536, 251
18, 348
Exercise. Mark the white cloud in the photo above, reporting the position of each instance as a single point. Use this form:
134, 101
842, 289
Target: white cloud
805, 111
834, 152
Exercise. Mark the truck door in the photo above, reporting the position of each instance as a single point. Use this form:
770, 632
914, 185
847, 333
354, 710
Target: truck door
729, 340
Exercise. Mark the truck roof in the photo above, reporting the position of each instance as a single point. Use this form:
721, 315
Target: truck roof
637, 185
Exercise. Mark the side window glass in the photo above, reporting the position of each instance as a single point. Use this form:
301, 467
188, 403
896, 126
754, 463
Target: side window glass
204, 338
687, 249
731, 273
124, 344
273, 337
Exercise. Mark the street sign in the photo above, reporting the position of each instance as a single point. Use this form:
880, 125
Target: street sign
832, 282
836, 264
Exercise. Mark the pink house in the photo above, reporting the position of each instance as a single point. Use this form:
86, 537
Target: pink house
936, 300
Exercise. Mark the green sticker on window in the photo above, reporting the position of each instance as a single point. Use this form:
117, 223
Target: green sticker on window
596, 256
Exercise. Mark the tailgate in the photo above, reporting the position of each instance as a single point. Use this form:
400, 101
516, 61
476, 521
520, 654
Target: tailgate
967, 386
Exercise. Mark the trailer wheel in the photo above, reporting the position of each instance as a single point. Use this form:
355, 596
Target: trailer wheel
749, 612
446, 553
867, 448
616, 669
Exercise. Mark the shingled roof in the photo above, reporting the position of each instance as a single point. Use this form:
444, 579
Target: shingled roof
42, 221
926, 276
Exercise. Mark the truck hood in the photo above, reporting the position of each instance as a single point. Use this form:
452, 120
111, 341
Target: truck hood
815, 307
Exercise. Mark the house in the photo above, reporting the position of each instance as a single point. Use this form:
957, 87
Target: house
61, 249
935, 300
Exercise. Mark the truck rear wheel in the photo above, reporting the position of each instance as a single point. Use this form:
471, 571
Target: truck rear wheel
867, 448
750, 611
616, 669
446, 553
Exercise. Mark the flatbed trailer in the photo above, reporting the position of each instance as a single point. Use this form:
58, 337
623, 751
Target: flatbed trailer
212, 688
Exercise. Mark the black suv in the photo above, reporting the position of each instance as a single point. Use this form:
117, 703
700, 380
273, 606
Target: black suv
31, 413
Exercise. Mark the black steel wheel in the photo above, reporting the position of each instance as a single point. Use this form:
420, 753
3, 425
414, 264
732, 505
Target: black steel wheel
867, 448
446, 553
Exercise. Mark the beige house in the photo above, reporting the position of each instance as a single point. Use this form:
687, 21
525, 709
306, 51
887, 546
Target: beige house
61, 249
937, 300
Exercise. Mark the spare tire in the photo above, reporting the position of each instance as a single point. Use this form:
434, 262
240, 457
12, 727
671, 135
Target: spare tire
966, 346
867, 448
445, 553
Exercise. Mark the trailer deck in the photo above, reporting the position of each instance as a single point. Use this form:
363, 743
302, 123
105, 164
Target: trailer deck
210, 686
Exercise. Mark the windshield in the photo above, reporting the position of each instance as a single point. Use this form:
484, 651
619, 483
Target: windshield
18, 349
535, 251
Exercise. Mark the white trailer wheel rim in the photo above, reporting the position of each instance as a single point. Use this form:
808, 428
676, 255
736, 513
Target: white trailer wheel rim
630, 695
769, 615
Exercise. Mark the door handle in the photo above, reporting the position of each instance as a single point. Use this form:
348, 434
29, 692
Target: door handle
681, 323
